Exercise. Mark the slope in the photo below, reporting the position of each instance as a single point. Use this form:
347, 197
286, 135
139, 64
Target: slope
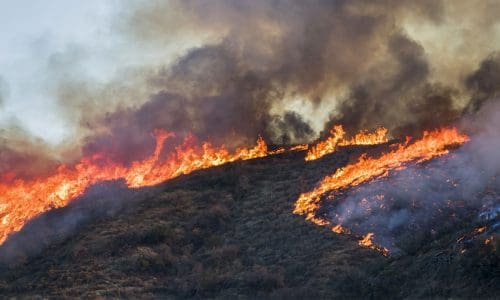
228, 232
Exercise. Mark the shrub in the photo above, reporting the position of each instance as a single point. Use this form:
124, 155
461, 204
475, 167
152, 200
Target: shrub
260, 278
156, 234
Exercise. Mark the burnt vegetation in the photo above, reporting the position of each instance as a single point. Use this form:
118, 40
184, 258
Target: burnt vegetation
229, 232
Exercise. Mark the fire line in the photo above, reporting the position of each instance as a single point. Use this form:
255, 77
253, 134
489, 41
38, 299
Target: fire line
22, 200
337, 139
431, 145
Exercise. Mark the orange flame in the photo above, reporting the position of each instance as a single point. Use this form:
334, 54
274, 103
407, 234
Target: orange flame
480, 230
339, 229
299, 147
431, 145
367, 242
337, 138
22, 200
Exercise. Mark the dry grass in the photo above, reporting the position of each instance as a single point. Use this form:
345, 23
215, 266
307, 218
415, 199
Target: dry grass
229, 232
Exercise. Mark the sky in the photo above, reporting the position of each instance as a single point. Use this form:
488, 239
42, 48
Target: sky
44, 43
38, 35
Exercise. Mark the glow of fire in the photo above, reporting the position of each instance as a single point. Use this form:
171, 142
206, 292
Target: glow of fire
367, 242
299, 147
337, 139
432, 144
22, 200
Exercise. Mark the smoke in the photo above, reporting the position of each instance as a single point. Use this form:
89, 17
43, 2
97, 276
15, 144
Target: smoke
24, 156
276, 49
426, 200
3, 91
228, 71
239, 70
104, 200
398, 94
483, 83
285, 70
356, 59
300, 130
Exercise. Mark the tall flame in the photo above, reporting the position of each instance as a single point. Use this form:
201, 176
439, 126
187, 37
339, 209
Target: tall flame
431, 145
337, 138
22, 200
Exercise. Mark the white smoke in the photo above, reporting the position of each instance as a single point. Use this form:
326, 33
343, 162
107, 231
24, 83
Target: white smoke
425, 200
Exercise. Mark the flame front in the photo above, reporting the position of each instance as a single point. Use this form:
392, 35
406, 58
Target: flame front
337, 138
367, 242
22, 200
431, 145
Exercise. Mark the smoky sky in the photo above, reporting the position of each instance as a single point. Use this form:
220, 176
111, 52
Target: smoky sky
3, 91
483, 83
23, 155
362, 64
352, 56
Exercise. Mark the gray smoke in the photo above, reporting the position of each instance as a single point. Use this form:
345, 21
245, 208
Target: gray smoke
104, 200
355, 58
360, 63
4, 91
483, 83
425, 200
401, 98
23, 155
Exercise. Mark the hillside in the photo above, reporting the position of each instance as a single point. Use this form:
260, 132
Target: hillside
228, 232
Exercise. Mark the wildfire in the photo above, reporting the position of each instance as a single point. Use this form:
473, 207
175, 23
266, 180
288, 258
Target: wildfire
431, 145
299, 147
367, 242
339, 229
22, 200
480, 230
337, 138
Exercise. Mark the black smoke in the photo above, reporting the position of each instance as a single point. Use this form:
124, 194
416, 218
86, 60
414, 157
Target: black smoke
351, 62
484, 83
354, 58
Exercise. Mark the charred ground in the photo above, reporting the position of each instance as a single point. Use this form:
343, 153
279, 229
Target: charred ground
227, 232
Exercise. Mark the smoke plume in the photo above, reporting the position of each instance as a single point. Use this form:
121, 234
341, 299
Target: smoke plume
22, 155
285, 70
355, 59
483, 83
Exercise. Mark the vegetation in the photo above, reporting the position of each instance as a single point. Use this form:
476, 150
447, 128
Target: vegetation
228, 232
